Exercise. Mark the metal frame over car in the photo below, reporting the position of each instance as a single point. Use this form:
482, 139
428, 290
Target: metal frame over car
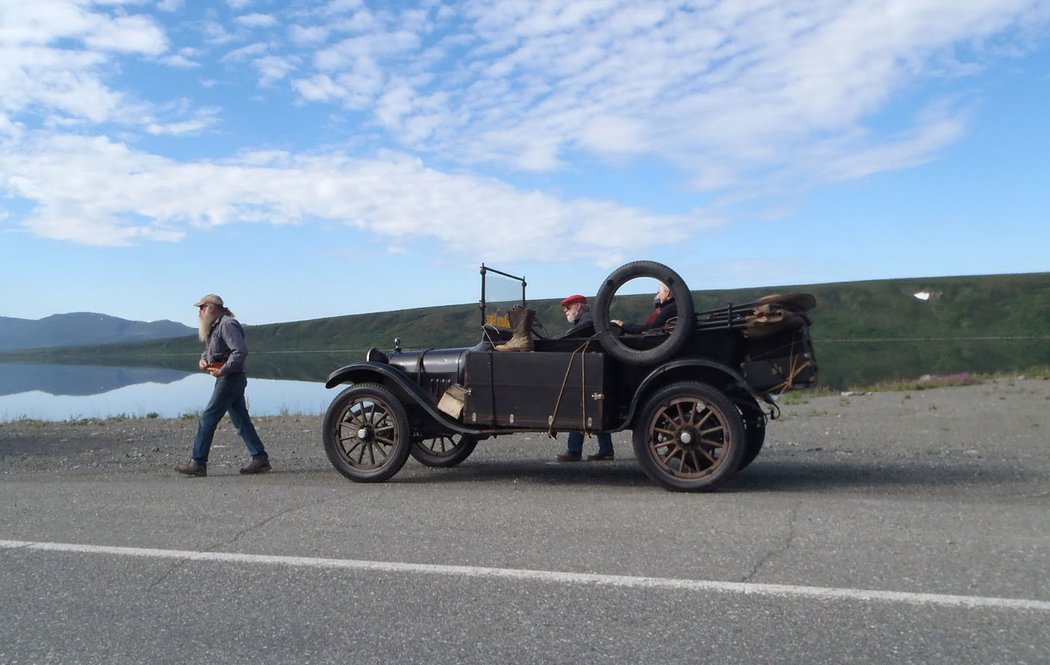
696, 394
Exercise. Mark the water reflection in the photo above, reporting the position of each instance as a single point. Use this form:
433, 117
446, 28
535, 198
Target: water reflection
69, 392
79, 379
285, 366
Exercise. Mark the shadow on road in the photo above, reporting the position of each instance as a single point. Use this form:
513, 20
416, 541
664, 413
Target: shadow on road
794, 476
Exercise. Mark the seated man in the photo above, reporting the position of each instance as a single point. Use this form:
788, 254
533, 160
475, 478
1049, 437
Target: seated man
578, 314
664, 309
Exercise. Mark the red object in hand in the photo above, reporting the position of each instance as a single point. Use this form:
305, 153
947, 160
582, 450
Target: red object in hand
214, 365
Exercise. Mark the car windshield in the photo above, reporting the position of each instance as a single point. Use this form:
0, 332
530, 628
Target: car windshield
499, 292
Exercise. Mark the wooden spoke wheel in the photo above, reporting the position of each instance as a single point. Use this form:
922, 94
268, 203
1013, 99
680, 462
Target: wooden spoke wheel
366, 433
690, 437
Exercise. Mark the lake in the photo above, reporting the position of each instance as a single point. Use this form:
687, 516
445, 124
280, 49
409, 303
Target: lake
294, 383
72, 392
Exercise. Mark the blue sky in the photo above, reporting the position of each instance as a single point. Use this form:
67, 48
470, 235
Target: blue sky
307, 159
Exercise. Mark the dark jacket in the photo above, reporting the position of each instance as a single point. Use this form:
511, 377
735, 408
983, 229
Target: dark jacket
226, 344
662, 313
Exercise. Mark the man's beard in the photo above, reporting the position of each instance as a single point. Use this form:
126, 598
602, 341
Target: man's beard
207, 321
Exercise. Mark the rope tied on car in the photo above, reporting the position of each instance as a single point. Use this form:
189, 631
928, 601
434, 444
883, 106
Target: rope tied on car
583, 389
794, 370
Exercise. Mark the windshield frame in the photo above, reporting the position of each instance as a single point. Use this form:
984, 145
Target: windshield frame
483, 303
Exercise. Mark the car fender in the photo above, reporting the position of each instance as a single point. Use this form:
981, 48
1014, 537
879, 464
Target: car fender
720, 376
403, 386
361, 372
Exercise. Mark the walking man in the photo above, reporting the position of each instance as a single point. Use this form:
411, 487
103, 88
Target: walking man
223, 358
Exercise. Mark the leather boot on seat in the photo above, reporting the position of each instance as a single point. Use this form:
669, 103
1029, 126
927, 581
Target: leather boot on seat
521, 323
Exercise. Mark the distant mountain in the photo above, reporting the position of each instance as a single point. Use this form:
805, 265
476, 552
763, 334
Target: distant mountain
80, 328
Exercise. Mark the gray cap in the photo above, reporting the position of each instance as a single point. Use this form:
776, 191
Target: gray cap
210, 299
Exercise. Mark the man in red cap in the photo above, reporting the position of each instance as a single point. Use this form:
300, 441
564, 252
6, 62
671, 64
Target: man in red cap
578, 314
581, 324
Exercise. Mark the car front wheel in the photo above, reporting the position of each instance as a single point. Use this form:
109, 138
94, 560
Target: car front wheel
366, 433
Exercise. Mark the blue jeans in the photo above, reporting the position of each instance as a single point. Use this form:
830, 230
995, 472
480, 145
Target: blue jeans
575, 444
228, 396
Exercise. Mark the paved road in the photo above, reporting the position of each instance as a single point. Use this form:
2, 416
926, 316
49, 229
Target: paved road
844, 542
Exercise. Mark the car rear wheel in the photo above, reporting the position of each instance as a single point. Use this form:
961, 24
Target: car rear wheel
690, 437
366, 433
444, 451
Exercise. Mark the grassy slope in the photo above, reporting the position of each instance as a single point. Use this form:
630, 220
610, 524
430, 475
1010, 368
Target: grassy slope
960, 308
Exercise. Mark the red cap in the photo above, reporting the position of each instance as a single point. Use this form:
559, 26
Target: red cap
573, 299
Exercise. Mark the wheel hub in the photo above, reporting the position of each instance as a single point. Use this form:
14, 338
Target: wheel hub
365, 433
688, 438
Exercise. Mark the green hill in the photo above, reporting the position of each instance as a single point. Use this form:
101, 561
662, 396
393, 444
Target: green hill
854, 325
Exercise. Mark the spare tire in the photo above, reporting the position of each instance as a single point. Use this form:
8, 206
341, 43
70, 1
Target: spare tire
603, 328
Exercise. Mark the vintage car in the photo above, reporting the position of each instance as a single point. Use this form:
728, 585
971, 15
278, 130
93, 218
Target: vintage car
696, 393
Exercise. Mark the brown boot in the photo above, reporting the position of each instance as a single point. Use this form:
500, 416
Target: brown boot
192, 468
521, 323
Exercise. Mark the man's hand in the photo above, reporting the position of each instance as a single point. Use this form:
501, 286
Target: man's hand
201, 363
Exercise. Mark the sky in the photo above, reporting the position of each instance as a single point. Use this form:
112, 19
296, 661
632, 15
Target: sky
310, 158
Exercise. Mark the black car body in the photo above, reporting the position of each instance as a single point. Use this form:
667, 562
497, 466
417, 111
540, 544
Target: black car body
697, 395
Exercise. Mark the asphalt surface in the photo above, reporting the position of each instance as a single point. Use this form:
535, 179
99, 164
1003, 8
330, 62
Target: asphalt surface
895, 527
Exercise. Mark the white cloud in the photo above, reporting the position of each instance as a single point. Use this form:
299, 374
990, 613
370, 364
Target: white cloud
274, 68
614, 134
216, 33
46, 21
318, 88
92, 190
917, 147
775, 95
246, 52
308, 35
252, 21
367, 46
128, 34
193, 121
56, 59
185, 58
726, 91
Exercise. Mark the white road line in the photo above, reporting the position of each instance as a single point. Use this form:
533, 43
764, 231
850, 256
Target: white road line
547, 576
